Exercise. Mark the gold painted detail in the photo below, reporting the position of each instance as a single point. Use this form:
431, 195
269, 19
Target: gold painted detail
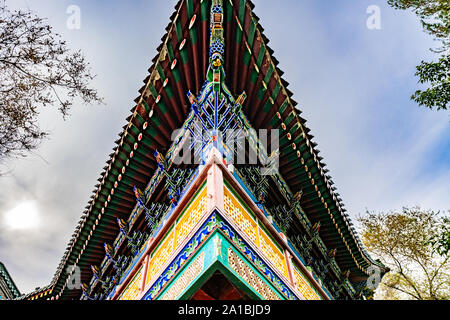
132, 291
185, 279
190, 218
160, 257
272, 252
246, 273
303, 286
259, 236
242, 218
176, 235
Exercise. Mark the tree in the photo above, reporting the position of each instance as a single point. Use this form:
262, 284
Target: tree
401, 240
435, 18
441, 241
36, 70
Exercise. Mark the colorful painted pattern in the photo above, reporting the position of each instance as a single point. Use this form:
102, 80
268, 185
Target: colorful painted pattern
249, 225
161, 256
242, 217
249, 276
257, 261
216, 222
132, 290
272, 251
303, 286
190, 218
181, 258
183, 282
185, 224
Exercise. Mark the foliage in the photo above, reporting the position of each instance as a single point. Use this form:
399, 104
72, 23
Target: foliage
441, 241
37, 70
402, 242
435, 18
438, 75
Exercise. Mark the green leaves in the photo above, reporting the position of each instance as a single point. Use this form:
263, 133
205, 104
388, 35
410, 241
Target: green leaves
435, 18
437, 75
441, 241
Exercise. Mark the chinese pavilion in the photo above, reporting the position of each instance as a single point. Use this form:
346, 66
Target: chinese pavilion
161, 225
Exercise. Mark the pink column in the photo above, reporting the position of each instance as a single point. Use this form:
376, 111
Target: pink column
214, 189
144, 273
287, 256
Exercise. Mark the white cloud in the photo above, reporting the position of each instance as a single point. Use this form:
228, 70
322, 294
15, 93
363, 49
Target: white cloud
22, 217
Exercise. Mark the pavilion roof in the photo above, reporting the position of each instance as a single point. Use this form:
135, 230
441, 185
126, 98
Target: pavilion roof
4, 274
162, 106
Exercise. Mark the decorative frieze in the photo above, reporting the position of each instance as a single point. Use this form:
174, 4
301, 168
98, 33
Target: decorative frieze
250, 227
185, 280
132, 291
250, 276
303, 286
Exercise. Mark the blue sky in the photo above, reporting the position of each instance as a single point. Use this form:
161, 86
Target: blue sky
352, 85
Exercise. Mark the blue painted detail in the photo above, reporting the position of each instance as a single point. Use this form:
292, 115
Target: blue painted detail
213, 222
275, 226
217, 47
184, 255
258, 262
217, 9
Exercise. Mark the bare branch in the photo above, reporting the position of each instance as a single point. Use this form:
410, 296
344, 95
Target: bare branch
37, 70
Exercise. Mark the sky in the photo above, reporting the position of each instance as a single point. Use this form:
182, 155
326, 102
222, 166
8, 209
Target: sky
353, 85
